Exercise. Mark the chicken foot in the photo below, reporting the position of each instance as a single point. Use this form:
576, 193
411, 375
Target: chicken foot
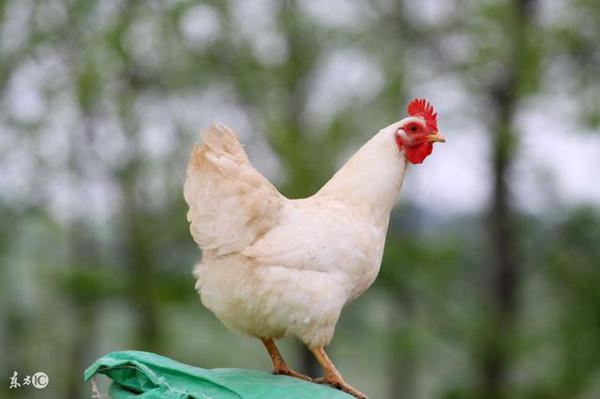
279, 365
332, 375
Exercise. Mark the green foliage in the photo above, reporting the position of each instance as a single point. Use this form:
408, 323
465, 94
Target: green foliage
95, 253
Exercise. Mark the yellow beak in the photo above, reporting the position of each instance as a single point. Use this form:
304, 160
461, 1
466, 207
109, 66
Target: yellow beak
433, 138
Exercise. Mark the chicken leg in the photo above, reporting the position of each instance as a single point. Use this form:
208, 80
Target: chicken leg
279, 365
332, 375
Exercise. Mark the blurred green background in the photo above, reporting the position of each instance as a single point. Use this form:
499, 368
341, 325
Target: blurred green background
490, 285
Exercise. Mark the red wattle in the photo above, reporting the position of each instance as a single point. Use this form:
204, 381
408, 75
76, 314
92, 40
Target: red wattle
418, 153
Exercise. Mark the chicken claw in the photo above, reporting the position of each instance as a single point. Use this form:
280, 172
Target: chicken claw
280, 367
332, 375
342, 386
285, 370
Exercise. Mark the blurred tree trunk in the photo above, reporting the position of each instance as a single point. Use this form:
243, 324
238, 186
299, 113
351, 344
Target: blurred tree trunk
141, 275
137, 239
309, 365
402, 355
83, 314
503, 233
81, 256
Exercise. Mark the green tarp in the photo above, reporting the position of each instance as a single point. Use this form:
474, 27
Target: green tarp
149, 376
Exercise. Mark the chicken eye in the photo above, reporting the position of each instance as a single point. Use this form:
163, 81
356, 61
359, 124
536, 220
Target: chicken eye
412, 128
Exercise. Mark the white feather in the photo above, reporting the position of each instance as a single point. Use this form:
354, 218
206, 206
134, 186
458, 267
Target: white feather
272, 266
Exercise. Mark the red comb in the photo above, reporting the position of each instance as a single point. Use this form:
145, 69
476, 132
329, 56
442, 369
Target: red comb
421, 108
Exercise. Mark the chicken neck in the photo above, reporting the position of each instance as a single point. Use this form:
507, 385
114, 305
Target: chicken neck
372, 178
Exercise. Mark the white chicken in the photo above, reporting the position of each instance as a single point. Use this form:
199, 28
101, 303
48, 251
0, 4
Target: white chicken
272, 266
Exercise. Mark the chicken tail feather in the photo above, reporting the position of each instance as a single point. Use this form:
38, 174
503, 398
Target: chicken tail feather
230, 202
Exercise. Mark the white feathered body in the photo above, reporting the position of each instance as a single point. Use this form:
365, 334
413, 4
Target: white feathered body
273, 266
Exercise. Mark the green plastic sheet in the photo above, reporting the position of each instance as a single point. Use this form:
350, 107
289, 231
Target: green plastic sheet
149, 376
